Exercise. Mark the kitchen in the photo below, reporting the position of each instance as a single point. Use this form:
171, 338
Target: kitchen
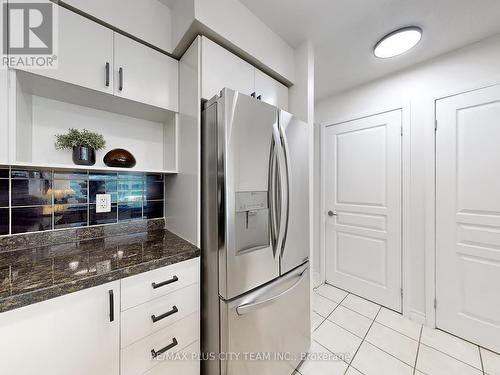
270, 192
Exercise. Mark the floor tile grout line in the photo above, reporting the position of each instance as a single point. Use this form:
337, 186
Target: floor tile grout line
389, 354
401, 333
324, 347
366, 334
418, 350
481, 359
357, 312
446, 354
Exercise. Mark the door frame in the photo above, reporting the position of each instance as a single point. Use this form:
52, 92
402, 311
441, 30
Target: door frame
431, 189
405, 108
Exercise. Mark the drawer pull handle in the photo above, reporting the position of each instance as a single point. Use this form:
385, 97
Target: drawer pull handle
155, 354
172, 280
155, 318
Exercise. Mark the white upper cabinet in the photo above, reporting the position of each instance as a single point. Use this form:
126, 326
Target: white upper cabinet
270, 90
93, 56
85, 53
220, 69
144, 74
76, 334
150, 22
4, 118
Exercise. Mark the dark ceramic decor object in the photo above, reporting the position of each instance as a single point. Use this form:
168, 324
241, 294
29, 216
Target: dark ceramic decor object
119, 157
83, 155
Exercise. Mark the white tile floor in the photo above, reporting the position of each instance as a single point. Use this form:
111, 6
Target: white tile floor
371, 340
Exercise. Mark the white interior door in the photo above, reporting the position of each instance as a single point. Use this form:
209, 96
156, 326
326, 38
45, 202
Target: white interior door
363, 207
468, 216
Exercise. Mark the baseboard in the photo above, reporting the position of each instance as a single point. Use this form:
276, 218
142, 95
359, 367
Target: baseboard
316, 279
417, 316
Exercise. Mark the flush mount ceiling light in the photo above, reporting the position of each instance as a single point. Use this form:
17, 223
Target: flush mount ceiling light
398, 42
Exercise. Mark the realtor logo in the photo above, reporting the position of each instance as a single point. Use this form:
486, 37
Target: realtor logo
29, 34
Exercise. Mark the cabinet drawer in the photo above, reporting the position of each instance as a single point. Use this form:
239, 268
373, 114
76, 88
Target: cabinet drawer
137, 358
138, 323
154, 284
188, 365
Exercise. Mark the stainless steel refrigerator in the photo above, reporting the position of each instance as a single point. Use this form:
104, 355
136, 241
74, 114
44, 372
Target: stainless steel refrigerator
255, 238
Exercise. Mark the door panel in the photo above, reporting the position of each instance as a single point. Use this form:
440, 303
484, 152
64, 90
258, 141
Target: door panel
148, 76
84, 49
245, 141
296, 249
468, 216
278, 326
270, 90
363, 199
220, 68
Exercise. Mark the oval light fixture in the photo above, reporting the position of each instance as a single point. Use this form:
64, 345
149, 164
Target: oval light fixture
398, 42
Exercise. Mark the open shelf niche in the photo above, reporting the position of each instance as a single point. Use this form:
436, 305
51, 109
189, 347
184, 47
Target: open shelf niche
40, 108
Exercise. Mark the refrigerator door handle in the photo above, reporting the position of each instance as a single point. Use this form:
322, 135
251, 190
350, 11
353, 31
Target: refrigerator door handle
256, 305
282, 192
273, 211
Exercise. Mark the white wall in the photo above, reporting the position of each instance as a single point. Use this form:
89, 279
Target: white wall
472, 67
184, 189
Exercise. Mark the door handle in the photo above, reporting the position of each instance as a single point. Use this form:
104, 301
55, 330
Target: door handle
252, 306
285, 185
120, 79
107, 75
273, 212
332, 213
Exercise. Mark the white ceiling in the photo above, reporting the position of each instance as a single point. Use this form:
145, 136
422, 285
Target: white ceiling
345, 31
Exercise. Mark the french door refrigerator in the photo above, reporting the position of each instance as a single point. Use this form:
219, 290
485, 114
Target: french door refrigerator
255, 238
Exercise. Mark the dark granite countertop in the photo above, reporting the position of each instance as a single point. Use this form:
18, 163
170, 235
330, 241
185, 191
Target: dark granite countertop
35, 274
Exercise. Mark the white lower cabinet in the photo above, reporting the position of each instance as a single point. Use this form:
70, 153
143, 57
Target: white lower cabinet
87, 332
68, 335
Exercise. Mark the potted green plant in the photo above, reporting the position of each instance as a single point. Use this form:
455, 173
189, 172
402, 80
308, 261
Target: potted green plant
84, 144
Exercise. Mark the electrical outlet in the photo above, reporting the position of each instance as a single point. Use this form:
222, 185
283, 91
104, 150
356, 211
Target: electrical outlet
102, 203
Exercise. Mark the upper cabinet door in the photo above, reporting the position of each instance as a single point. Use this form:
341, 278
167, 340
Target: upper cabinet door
221, 69
150, 21
85, 53
145, 75
270, 90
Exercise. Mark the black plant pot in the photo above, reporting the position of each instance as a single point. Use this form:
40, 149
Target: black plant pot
83, 155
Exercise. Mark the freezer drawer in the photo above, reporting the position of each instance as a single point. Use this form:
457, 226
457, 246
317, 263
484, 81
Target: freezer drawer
269, 328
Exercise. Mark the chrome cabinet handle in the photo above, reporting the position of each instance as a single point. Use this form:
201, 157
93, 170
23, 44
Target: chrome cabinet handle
159, 285
155, 318
155, 354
